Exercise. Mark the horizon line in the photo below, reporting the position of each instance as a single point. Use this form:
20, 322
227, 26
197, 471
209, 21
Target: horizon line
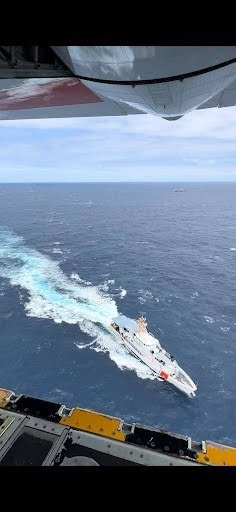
106, 182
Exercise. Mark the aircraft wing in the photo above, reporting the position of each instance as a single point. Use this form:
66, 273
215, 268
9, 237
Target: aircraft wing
37, 98
89, 81
225, 98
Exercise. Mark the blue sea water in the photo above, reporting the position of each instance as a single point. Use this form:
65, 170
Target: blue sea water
74, 255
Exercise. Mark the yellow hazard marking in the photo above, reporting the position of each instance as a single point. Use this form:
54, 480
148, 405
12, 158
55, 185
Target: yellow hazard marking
96, 423
4, 394
218, 455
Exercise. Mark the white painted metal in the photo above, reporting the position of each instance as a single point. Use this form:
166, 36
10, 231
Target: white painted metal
170, 99
148, 349
124, 63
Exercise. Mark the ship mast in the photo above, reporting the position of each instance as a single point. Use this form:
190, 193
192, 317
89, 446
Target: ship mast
142, 324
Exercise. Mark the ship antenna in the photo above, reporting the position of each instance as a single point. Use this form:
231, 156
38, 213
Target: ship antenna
144, 319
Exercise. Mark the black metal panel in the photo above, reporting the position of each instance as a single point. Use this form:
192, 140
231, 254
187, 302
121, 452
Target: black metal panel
29, 449
162, 441
35, 407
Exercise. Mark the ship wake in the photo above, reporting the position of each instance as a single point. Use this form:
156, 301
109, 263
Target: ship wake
53, 295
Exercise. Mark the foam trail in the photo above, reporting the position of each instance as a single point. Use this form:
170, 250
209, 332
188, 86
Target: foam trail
117, 351
57, 251
53, 295
209, 319
121, 292
78, 279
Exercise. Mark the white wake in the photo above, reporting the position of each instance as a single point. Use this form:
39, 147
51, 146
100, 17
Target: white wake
55, 296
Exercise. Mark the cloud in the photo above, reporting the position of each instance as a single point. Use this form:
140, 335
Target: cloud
199, 147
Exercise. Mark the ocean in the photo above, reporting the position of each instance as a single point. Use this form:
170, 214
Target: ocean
72, 256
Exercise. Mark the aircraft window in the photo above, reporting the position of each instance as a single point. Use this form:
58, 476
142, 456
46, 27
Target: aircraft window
29, 449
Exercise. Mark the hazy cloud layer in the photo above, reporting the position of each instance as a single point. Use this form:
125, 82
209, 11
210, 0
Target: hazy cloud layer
199, 147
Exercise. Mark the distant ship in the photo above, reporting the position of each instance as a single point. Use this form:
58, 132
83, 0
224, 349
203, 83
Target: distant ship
147, 348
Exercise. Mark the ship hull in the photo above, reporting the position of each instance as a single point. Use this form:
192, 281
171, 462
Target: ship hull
155, 366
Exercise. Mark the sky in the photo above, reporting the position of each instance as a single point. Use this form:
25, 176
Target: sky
201, 146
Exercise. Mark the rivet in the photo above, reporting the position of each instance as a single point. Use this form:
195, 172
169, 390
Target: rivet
206, 459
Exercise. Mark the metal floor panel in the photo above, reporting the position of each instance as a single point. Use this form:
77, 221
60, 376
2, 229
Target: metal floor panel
127, 452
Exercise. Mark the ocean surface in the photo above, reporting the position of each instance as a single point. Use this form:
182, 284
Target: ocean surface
74, 255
